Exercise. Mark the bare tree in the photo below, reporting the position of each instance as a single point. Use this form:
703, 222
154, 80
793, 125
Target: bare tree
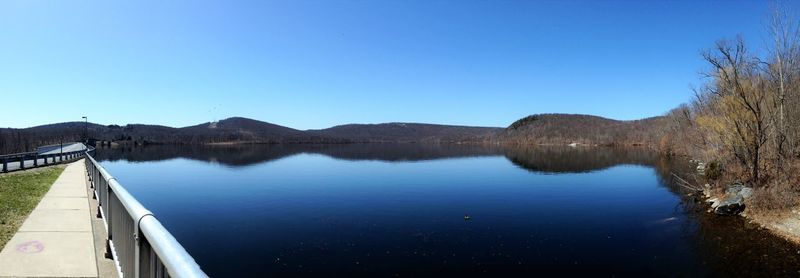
737, 107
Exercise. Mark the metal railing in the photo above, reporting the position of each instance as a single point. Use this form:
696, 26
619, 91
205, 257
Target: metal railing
137, 241
47, 159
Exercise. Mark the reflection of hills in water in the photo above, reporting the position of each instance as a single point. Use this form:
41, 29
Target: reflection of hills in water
242, 155
552, 159
545, 159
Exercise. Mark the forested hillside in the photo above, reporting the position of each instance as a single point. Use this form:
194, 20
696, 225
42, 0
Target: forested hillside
563, 129
239, 130
410, 132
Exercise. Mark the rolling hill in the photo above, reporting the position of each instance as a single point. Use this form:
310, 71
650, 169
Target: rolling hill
563, 129
238, 130
410, 132
554, 129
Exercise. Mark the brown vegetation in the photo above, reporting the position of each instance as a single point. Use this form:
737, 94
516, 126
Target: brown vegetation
746, 118
410, 132
563, 129
744, 122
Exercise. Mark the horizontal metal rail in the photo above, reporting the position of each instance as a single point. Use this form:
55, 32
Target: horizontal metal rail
15, 155
138, 242
35, 159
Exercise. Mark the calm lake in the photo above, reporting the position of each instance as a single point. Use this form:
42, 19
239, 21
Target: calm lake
398, 210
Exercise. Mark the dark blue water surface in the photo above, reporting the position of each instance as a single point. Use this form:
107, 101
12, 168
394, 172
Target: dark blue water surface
399, 210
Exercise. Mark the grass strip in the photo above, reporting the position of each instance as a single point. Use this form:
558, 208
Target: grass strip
20, 192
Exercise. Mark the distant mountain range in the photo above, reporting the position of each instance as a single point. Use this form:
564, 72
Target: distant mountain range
535, 129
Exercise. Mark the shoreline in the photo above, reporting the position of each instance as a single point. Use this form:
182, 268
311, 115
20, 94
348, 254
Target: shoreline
783, 224
787, 225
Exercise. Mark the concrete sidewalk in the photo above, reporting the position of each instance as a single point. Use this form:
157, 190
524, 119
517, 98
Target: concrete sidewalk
56, 240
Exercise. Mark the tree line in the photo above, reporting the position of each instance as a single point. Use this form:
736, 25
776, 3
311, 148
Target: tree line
745, 119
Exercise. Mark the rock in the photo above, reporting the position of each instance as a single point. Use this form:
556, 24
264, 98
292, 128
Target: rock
746, 192
734, 188
732, 202
730, 206
714, 202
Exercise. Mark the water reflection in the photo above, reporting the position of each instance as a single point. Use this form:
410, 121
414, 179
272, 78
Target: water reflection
536, 159
242, 155
558, 159
570, 212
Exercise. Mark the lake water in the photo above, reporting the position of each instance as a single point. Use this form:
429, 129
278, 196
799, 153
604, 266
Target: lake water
384, 210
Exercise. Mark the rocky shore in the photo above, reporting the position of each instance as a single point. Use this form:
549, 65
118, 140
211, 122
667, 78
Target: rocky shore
733, 202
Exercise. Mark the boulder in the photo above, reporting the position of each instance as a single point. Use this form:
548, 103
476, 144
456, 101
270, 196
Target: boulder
746, 192
730, 205
732, 202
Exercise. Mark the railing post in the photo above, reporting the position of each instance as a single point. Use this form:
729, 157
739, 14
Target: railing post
22, 162
136, 252
108, 254
144, 258
109, 220
35, 160
100, 202
5, 165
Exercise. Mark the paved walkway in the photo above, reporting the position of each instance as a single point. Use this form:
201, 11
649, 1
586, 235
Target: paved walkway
56, 240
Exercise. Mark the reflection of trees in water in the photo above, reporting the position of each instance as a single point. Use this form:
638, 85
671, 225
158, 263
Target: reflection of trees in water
553, 159
404, 152
233, 155
241, 155
545, 159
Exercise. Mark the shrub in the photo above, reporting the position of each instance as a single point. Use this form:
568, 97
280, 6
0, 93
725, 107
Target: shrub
713, 170
773, 199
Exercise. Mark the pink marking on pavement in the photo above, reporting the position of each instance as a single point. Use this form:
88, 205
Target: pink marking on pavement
30, 247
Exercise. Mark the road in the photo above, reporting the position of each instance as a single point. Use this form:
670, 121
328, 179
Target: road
47, 150
68, 147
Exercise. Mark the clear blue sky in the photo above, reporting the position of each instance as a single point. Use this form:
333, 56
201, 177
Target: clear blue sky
315, 64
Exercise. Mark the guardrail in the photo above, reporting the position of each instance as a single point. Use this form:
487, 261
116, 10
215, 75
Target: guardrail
48, 159
137, 241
